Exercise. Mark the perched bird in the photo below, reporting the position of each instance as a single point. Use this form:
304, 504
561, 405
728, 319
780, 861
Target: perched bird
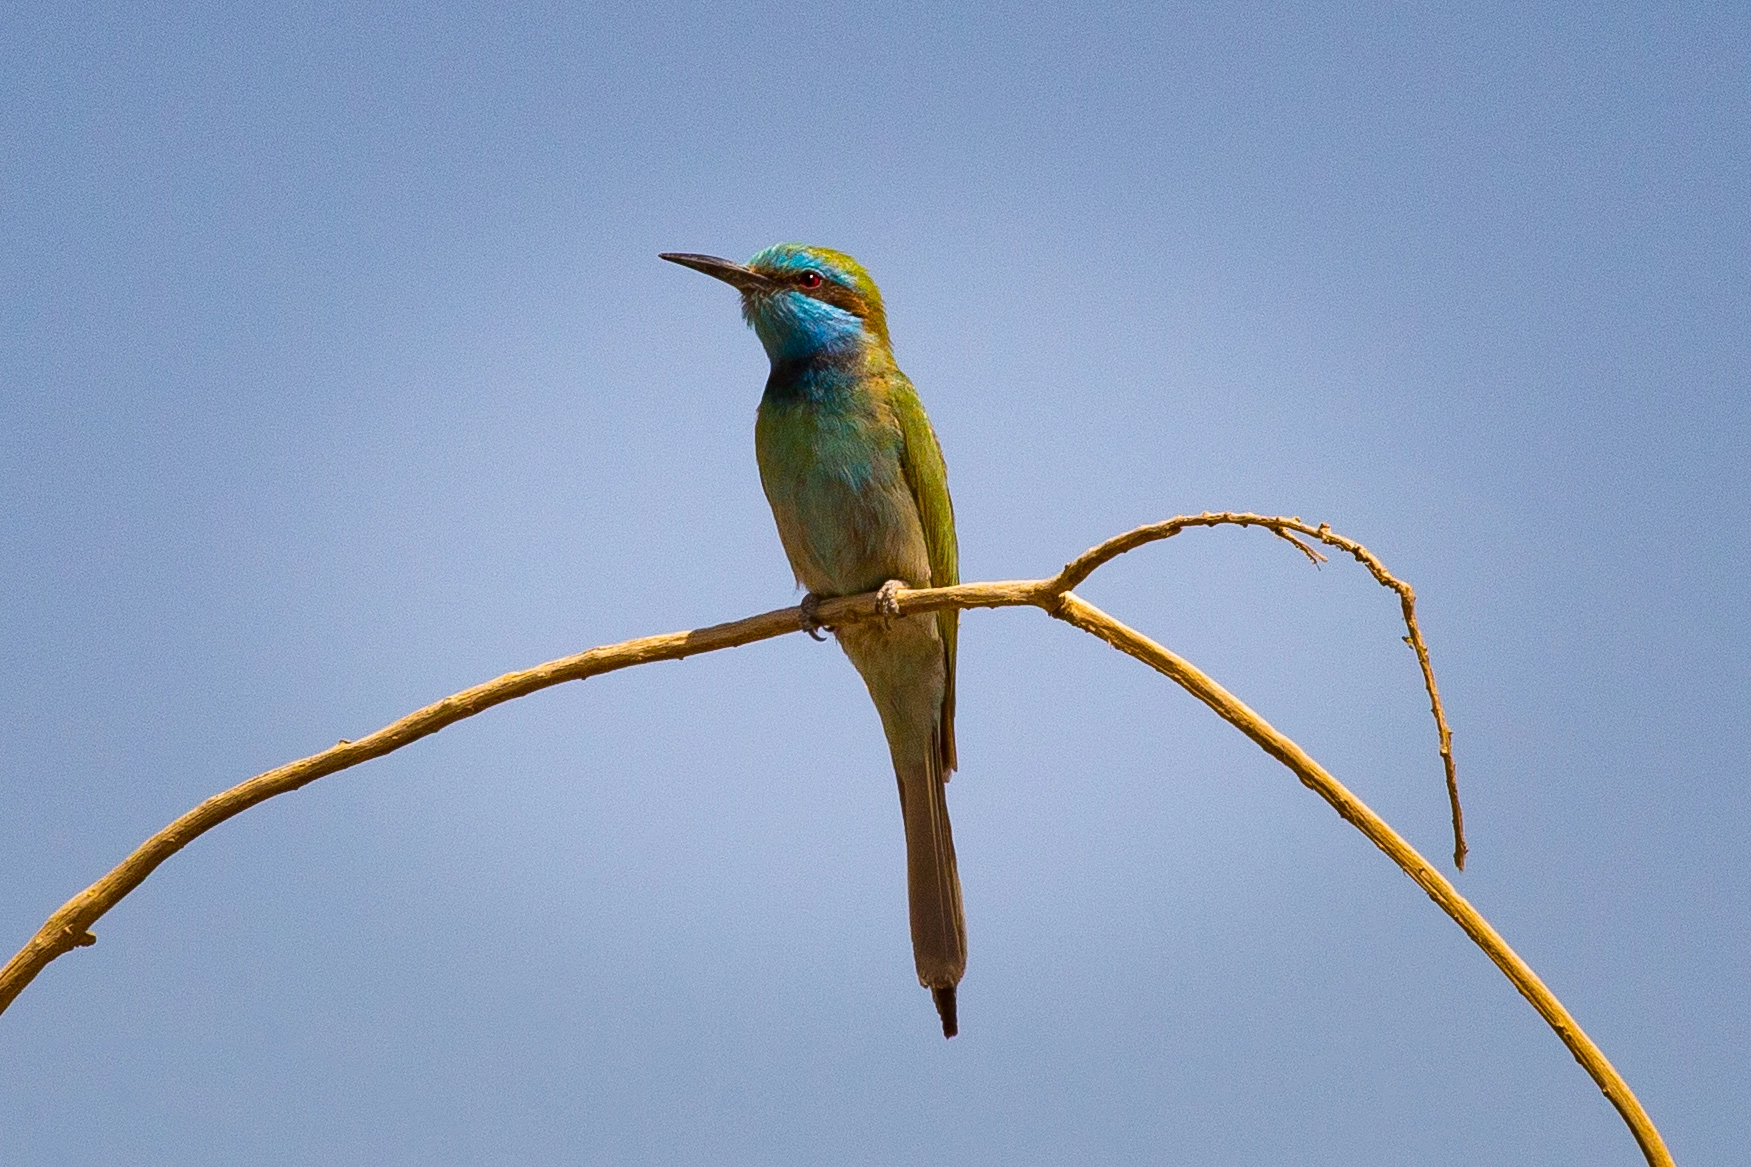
858, 487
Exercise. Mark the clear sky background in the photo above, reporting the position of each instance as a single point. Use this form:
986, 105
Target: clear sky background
338, 372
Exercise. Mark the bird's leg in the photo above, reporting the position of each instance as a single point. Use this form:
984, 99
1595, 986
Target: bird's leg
811, 606
888, 600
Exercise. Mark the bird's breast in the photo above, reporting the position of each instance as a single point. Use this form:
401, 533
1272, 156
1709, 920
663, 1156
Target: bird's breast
832, 473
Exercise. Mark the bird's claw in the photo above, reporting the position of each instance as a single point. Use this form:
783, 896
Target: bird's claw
888, 600
810, 608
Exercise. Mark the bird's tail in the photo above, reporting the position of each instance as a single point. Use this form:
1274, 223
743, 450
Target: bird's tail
905, 667
933, 886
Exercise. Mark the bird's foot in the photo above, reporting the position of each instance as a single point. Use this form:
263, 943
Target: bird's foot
945, 1008
888, 600
811, 607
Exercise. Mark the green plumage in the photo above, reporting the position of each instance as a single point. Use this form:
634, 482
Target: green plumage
859, 491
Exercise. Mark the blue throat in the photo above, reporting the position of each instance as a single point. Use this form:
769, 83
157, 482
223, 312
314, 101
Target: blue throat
815, 348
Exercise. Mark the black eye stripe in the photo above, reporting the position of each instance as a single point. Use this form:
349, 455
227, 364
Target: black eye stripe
817, 286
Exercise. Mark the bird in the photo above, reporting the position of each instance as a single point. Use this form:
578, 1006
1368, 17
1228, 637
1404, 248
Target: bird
859, 490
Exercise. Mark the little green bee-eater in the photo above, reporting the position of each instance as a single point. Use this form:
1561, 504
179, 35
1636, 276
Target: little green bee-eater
858, 487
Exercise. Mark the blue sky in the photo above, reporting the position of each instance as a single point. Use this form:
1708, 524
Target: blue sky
338, 372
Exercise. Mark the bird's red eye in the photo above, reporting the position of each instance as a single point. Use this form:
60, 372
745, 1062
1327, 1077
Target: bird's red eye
810, 279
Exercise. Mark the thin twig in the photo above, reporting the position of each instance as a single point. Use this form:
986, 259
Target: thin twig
1084, 565
70, 926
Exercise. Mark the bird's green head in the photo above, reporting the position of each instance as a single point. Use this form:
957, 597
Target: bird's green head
801, 301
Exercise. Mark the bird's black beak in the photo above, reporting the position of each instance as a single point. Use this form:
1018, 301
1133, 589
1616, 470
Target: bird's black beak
737, 275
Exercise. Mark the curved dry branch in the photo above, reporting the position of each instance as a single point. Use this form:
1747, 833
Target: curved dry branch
70, 926
1075, 610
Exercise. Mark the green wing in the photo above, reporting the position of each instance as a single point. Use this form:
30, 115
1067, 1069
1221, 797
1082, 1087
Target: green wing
927, 475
